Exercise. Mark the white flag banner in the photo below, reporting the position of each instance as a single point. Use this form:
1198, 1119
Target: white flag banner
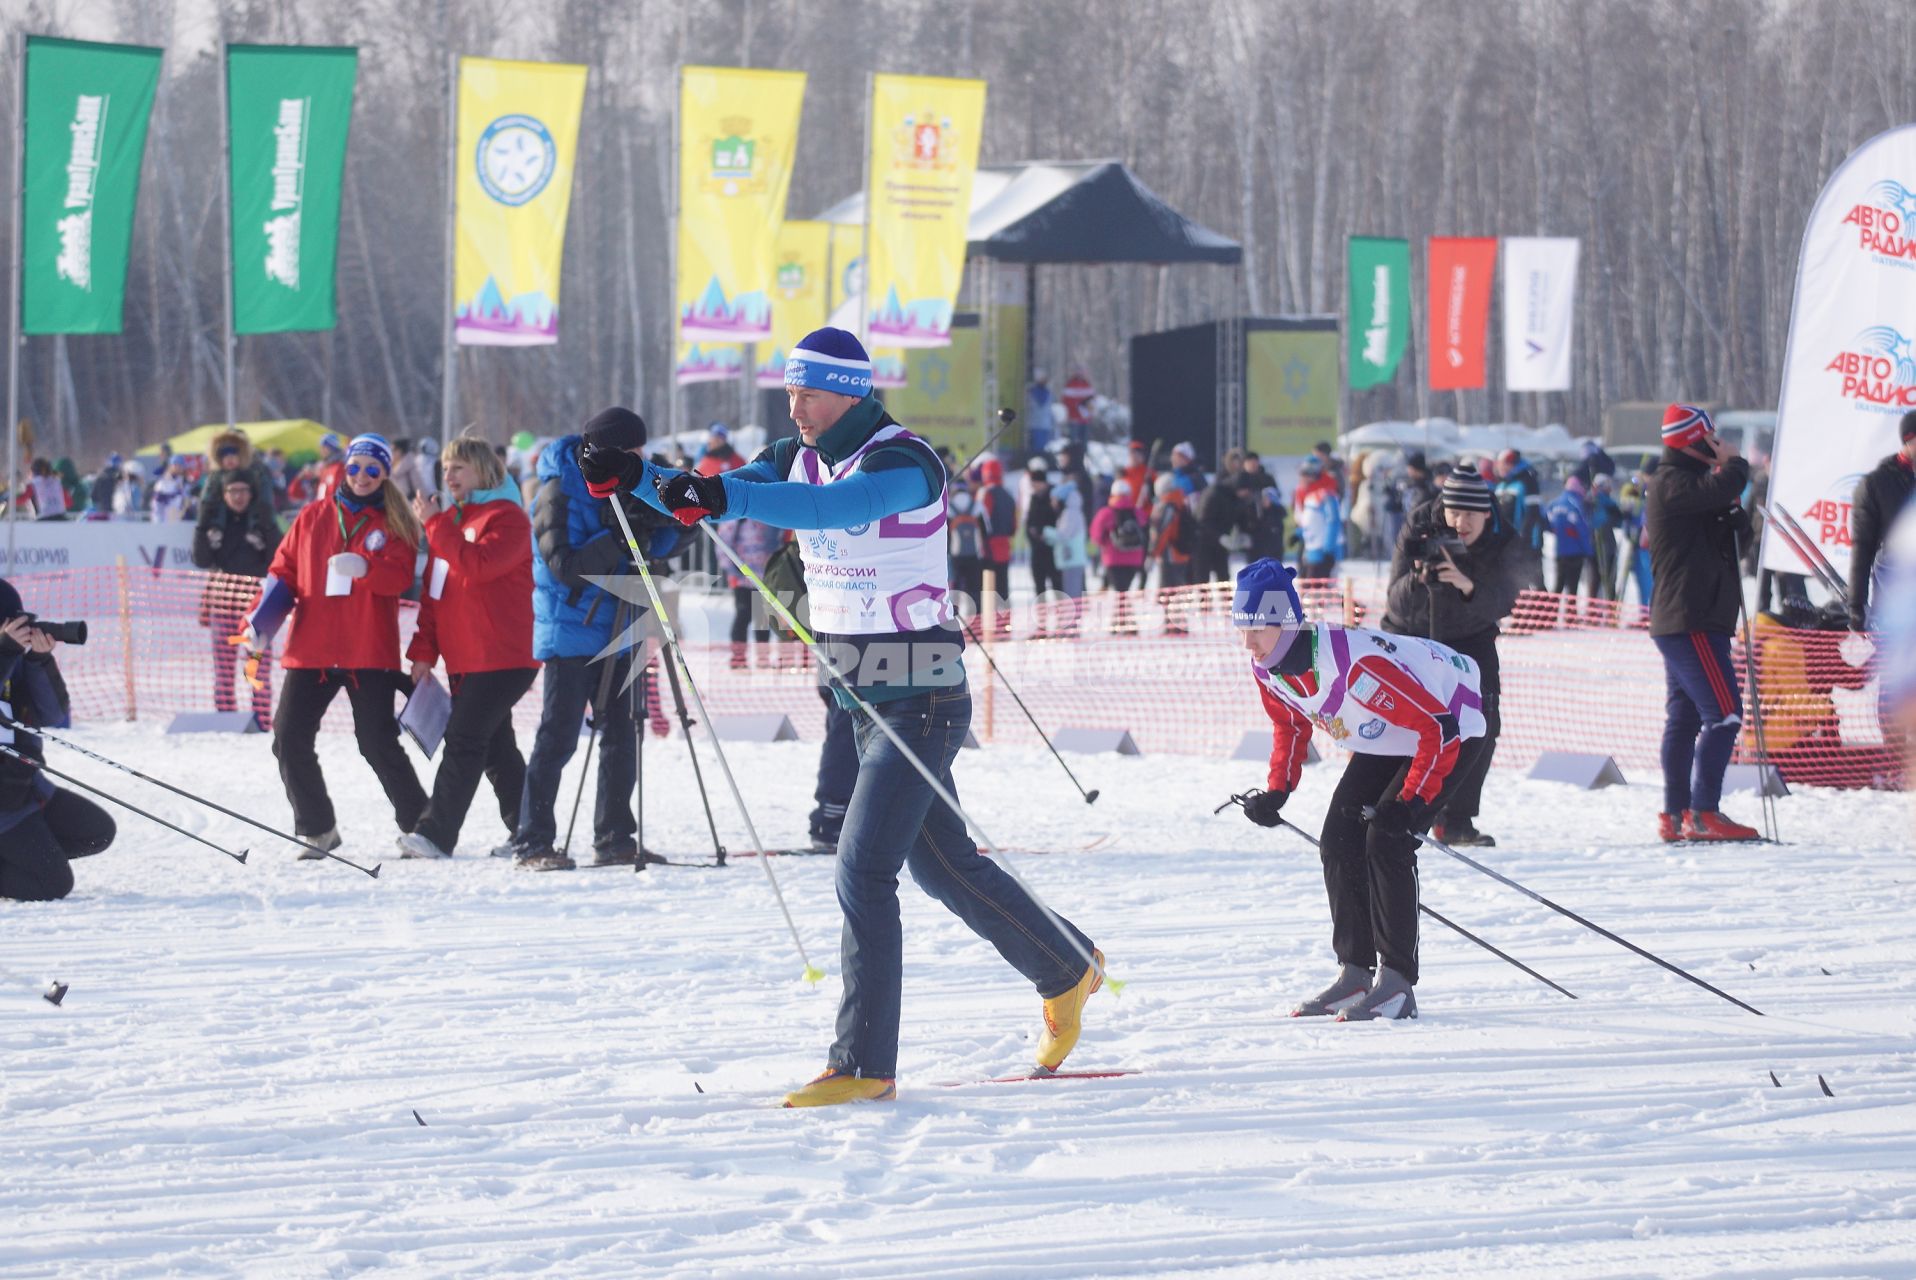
1849, 373
1540, 303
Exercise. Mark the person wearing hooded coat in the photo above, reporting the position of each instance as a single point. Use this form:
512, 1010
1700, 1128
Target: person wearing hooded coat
576, 538
228, 453
42, 827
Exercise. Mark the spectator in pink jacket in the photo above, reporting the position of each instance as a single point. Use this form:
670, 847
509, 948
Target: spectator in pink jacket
1121, 539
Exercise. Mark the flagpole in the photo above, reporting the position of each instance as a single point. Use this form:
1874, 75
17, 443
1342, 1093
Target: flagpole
673, 390
226, 224
14, 338
862, 327
449, 356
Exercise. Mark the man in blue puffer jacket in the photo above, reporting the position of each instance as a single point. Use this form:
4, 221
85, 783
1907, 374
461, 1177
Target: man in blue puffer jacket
575, 537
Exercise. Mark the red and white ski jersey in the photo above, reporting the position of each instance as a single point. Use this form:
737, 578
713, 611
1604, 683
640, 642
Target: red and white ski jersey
1378, 694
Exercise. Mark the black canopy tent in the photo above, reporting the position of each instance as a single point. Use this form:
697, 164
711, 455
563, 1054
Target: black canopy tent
1081, 212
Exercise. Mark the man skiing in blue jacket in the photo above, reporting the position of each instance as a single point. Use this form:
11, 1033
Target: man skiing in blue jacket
868, 498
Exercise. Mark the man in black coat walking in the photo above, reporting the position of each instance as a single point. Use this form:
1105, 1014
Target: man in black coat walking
1879, 498
1696, 526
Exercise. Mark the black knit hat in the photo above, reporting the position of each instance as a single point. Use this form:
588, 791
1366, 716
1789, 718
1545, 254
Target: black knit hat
615, 428
1908, 427
1465, 490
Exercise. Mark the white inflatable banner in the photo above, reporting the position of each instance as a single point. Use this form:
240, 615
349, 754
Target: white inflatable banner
1540, 307
48, 546
1850, 371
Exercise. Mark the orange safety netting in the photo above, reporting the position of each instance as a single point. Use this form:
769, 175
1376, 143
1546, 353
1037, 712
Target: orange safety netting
1578, 675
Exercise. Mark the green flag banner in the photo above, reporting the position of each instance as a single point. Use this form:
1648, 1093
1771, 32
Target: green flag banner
288, 110
1378, 315
87, 106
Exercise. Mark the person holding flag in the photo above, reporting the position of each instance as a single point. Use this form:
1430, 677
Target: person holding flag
1409, 712
870, 498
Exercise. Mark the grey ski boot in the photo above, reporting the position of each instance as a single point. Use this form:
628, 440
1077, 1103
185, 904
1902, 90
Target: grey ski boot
1349, 986
1392, 997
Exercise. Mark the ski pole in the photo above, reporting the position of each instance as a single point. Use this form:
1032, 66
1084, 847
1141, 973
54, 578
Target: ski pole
1796, 538
55, 773
1005, 418
698, 774
1440, 919
938, 788
1091, 796
188, 795
1836, 580
1765, 801
1443, 920
585, 770
1433, 842
812, 974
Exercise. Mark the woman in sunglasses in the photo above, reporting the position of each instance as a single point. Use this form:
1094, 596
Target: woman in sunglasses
339, 573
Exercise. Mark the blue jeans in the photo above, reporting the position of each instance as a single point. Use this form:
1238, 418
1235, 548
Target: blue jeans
1703, 713
570, 683
894, 821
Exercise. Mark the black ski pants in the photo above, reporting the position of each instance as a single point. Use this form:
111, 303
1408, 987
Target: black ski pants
478, 740
303, 700
34, 852
1371, 875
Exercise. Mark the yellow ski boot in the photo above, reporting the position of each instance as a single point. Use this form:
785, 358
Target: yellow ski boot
832, 1087
1063, 1016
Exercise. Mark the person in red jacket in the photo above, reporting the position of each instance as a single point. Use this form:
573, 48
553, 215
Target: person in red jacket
475, 611
339, 572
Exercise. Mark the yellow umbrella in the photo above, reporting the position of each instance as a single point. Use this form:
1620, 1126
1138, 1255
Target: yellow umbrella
294, 435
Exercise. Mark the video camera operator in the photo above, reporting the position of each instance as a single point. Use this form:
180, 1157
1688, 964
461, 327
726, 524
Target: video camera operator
41, 826
1455, 575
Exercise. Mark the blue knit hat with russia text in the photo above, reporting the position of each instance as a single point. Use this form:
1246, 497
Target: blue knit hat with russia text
830, 360
1265, 596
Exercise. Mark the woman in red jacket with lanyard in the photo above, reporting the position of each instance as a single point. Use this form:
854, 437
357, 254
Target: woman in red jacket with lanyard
339, 573
475, 611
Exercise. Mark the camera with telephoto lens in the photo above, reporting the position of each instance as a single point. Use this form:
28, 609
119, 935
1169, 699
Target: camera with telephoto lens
1430, 555
64, 632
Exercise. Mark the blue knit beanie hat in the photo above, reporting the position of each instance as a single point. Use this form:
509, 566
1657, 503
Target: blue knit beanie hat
830, 360
374, 447
1265, 596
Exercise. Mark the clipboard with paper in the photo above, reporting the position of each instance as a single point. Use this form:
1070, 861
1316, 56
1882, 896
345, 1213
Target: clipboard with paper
423, 718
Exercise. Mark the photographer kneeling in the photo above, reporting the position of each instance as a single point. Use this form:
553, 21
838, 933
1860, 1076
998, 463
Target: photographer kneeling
41, 826
1455, 575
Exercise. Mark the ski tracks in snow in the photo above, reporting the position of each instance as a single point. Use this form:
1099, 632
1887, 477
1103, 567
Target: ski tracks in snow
230, 1088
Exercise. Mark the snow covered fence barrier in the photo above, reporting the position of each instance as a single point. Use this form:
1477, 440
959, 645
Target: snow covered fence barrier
1578, 675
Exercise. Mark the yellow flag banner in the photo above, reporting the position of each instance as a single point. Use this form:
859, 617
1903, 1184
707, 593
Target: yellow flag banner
518, 132
738, 134
924, 133
888, 367
848, 269
798, 297
709, 362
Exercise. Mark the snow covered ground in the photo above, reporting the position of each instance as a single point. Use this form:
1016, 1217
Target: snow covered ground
595, 1058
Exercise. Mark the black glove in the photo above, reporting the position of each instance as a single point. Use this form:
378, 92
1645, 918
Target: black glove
608, 470
1399, 815
1263, 807
692, 497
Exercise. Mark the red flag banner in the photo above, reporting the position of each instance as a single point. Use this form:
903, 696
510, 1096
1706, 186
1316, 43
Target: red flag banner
1460, 271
